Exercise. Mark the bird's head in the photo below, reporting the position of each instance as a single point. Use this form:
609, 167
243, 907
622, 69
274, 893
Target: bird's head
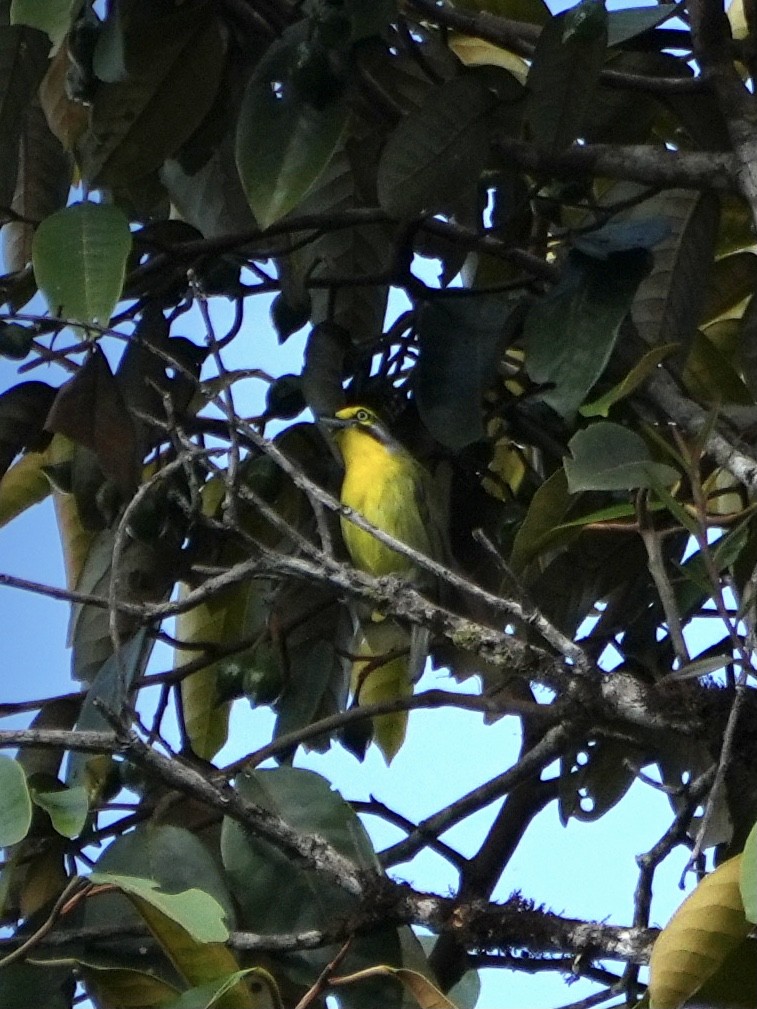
358, 419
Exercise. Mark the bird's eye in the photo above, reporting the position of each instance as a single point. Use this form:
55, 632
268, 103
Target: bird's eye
362, 416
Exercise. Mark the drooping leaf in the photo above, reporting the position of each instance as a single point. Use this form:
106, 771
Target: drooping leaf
89, 409
29, 984
440, 149
15, 802
732, 279
623, 25
748, 882
564, 73
307, 803
668, 303
22, 486
175, 59
66, 118
425, 994
22, 411
284, 139
548, 507
195, 911
570, 333
42, 184
475, 52
52, 17
79, 257
635, 377
711, 377
589, 789
606, 456
68, 808
23, 59
460, 342
708, 926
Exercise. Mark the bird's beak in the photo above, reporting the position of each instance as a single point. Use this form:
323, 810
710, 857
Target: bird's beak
333, 423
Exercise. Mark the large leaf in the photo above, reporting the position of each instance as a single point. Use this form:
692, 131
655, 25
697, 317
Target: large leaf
15, 802
460, 343
570, 333
307, 803
363, 251
52, 17
708, 926
439, 150
564, 73
284, 139
67, 808
606, 456
23, 59
79, 257
42, 184
668, 303
89, 409
25, 984
175, 58
23, 409
732, 279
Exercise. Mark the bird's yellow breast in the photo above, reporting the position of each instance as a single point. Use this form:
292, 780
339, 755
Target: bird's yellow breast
382, 485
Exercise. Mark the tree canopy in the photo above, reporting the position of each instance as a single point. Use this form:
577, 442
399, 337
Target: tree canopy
575, 365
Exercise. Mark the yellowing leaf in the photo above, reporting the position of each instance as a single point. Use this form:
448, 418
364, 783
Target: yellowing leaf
704, 930
475, 52
423, 991
638, 374
22, 486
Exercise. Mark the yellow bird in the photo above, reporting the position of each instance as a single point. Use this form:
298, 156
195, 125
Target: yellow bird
389, 488
394, 492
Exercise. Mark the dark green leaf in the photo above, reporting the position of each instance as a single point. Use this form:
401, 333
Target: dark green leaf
23, 409
627, 24
606, 456
23, 61
668, 303
732, 279
440, 149
284, 141
15, 340
460, 343
570, 333
564, 74
26, 984
175, 57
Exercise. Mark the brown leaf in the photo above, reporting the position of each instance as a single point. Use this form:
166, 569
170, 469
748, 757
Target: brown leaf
90, 410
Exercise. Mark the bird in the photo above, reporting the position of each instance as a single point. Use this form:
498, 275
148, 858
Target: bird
386, 485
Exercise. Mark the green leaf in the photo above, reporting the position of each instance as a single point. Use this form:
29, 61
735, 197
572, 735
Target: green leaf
623, 25
207, 995
193, 910
570, 333
548, 507
731, 280
564, 73
606, 456
26, 984
284, 140
748, 881
23, 409
23, 61
68, 808
635, 377
15, 802
668, 303
79, 257
460, 342
439, 150
53, 17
